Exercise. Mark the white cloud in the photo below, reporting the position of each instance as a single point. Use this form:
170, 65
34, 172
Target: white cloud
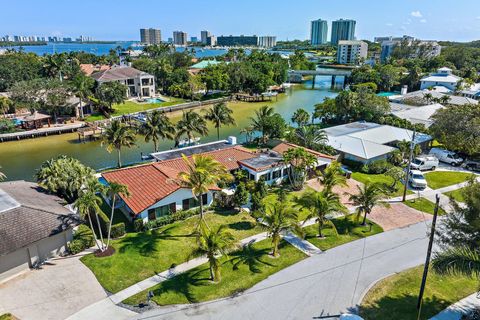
416, 14
389, 24
423, 21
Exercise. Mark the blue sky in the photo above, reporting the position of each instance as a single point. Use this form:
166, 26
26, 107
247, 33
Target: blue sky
120, 19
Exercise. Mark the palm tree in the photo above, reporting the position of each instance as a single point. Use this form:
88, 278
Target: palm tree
5, 105
214, 243
116, 136
259, 123
320, 204
445, 99
191, 123
368, 196
220, 115
157, 126
311, 136
203, 173
82, 88
456, 261
332, 176
248, 132
428, 97
279, 218
114, 189
301, 117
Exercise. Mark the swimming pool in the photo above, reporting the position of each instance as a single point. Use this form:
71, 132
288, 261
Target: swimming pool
154, 100
387, 94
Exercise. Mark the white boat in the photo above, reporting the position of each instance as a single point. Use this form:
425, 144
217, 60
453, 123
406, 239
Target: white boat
188, 142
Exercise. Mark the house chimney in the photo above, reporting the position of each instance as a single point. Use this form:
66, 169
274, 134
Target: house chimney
232, 140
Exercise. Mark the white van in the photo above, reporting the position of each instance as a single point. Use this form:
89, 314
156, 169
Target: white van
417, 179
446, 156
425, 163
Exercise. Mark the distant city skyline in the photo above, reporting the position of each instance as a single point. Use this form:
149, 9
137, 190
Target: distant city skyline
107, 20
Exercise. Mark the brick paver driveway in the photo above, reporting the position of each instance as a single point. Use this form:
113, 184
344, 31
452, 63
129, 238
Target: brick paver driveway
342, 191
397, 216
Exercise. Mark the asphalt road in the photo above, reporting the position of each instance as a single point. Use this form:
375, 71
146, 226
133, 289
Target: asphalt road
325, 284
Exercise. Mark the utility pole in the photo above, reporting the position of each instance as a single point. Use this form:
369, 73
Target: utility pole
412, 146
427, 261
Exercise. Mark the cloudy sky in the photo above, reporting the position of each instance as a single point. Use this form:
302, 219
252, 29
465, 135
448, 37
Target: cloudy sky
120, 19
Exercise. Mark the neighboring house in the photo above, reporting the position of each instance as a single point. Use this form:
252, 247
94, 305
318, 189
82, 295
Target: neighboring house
418, 98
197, 67
34, 226
88, 69
472, 92
443, 77
139, 83
414, 114
367, 141
155, 190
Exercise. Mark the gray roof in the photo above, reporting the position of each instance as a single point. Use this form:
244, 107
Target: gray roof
118, 73
28, 214
263, 161
454, 100
415, 114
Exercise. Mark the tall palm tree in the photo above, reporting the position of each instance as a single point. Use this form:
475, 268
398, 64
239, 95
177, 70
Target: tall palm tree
301, 117
428, 97
113, 190
191, 123
157, 126
220, 115
248, 132
5, 105
332, 176
116, 136
214, 243
311, 136
259, 122
203, 173
457, 260
368, 197
82, 88
277, 219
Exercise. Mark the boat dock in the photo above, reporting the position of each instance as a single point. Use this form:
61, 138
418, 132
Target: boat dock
42, 132
90, 132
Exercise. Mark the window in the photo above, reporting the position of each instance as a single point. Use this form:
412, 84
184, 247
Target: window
192, 202
130, 81
277, 174
204, 199
266, 176
162, 211
151, 215
285, 172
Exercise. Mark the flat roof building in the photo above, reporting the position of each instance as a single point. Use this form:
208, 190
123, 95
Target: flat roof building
204, 35
351, 51
237, 41
267, 41
343, 30
150, 36
180, 38
318, 32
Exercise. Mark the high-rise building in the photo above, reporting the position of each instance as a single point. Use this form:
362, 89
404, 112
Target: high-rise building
343, 30
150, 36
204, 35
237, 41
180, 38
318, 32
211, 41
193, 39
351, 51
267, 41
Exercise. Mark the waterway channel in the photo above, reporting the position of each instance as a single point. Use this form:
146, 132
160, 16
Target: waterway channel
20, 159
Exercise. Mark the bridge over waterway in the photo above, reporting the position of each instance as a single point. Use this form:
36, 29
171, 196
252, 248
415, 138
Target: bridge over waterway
297, 75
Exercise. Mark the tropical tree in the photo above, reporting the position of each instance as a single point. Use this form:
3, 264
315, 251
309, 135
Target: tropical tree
279, 218
190, 124
299, 161
82, 88
117, 136
157, 126
202, 173
320, 204
457, 261
397, 174
248, 132
241, 195
213, 243
301, 117
5, 105
368, 197
220, 115
428, 97
332, 176
311, 136
114, 189
111, 92
260, 121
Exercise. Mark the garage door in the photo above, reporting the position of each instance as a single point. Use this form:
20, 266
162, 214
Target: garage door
13, 263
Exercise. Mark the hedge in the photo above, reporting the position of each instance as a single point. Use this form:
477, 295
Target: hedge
118, 230
138, 225
177, 216
82, 239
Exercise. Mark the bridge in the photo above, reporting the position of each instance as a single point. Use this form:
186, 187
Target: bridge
297, 75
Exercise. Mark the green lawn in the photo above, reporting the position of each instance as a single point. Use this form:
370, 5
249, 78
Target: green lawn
131, 106
273, 196
141, 255
440, 179
379, 178
456, 194
425, 205
194, 285
348, 230
396, 297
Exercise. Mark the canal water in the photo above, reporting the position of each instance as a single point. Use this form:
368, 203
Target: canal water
20, 159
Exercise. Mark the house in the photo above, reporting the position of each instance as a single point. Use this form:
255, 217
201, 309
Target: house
367, 141
472, 92
443, 77
34, 226
419, 98
88, 69
416, 114
155, 190
139, 83
197, 67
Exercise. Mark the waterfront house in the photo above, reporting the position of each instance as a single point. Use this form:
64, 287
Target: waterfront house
88, 69
443, 77
34, 226
139, 83
419, 97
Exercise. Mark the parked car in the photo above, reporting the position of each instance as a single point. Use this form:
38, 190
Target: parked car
446, 156
473, 164
424, 163
417, 180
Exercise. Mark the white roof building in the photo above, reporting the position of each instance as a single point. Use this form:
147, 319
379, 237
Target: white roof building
420, 97
415, 114
367, 141
443, 77
472, 92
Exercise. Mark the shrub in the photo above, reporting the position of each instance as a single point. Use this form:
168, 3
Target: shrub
171, 218
379, 166
138, 225
353, 165
82, 239
118, 230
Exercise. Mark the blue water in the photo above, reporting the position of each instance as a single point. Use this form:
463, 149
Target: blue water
154, 100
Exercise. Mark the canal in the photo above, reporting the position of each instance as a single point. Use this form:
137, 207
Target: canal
20, 159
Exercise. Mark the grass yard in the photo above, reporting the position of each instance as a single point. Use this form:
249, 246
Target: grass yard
424, 205
141, 255
240, 271
379, 178
273, 196
347, 230
396, 297
456, 194
440, 179
131, 106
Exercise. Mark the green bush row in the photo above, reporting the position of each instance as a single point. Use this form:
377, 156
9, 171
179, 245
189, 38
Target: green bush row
375, 167
82, 239
118, 230
162, 221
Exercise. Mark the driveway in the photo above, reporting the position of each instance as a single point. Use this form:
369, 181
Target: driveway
343, 191
56, 291
398, 215
324, 284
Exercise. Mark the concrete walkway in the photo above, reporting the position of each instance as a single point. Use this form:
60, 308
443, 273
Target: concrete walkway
301, 244
457, 310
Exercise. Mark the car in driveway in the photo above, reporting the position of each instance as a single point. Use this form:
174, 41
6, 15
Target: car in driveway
425, 163
473, 165
417, 180
446, 156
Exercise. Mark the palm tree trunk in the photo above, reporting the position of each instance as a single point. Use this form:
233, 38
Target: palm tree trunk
201, 207
320, 227
218, 133
155, 147
212, 274
93, 231
119, 160
100, 231
364, 218
111, 220
275, 240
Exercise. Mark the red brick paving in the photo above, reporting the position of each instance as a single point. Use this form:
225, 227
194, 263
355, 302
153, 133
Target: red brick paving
397, 216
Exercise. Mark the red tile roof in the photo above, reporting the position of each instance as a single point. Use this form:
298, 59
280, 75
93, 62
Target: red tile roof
285, 146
